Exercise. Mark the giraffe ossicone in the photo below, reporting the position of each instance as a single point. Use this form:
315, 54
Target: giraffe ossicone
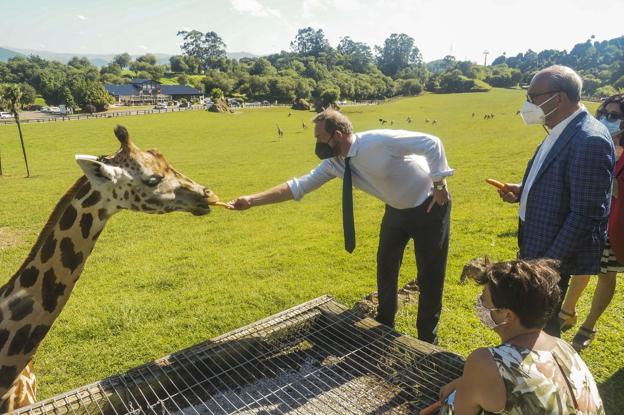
34, 296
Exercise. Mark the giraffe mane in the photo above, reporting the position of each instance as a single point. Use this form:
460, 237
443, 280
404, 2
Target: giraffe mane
52, 220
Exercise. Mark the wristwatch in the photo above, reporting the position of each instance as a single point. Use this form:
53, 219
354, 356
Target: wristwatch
439, 186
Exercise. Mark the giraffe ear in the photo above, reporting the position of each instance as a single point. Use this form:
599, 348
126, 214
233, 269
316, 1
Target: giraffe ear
98, 172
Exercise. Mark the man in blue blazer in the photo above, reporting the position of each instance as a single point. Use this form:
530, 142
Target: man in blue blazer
565, 193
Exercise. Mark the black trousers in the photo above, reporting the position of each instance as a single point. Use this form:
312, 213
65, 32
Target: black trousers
430, 232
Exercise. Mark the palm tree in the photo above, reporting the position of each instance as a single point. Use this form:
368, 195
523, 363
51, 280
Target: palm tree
11, 96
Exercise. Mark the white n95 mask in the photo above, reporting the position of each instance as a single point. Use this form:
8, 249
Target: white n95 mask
534, 114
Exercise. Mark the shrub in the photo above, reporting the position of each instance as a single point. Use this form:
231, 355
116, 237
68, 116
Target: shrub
301, 104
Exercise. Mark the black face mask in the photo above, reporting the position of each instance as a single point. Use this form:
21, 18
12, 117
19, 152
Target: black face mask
324, 151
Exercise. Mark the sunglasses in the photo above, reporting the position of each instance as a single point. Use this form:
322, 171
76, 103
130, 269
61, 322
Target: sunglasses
612, 116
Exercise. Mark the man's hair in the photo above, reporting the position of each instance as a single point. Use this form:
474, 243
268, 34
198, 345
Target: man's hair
613, 99
563, 78
334, 121
526, 287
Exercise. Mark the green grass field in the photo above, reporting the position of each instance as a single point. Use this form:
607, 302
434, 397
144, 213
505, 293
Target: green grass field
157, 284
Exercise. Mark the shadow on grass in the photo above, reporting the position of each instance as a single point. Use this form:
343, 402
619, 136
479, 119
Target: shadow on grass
509, 234
611, 391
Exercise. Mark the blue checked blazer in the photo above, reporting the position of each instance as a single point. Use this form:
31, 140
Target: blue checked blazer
568, 205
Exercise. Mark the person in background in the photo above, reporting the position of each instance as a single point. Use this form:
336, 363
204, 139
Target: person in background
565, 194
530, 372
611, 114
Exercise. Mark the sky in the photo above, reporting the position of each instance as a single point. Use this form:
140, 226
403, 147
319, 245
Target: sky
464, 29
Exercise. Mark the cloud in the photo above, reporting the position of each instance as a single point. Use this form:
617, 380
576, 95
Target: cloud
254, 8
144, 47
81, 17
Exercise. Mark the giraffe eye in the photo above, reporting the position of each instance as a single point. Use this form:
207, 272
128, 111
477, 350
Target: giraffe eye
153, 180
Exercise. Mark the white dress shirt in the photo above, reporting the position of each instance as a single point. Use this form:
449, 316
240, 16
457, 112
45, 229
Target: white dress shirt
543, 151
396, 166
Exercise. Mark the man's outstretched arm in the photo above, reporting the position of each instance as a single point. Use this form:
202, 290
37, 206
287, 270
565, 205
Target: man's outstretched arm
279, 193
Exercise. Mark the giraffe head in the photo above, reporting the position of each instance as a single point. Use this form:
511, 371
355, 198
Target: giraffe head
144, 181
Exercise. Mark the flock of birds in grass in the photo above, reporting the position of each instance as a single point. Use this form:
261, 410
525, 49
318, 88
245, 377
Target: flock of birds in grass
383, 121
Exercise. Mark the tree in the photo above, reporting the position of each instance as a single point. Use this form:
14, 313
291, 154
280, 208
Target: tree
208, 48
262, 66
359, 55
397, 53
28, 95
147, 58
178, 64
11, 95
309, 42
122, 60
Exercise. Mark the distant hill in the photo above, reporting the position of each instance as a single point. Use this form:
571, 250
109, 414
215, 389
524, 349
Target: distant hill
96, 59
6, 54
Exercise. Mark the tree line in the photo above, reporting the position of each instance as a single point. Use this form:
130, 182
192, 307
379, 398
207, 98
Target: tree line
312, 70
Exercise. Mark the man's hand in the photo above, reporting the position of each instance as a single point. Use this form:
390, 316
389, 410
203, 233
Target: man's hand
240, 203
513, 193
441, 197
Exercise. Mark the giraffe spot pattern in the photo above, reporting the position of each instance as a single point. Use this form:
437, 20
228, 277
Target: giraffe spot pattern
4, 336
7, 376
97, 235
85, 224
92, 199
8, 288
38, 333
102, 214
154, 201
20, 308
20, 338
68, 218
49, 246
29, 277
69, 258
126, 195
82, 192
51, 290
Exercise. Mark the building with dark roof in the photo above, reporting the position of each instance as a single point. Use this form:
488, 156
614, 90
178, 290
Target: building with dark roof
147, 91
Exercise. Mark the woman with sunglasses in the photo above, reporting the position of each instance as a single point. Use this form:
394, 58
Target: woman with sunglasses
611, 114
530, 372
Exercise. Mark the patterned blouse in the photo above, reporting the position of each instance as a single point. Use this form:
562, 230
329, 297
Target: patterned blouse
536, 386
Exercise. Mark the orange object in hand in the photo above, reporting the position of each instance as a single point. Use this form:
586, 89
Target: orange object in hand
497, 184
431, 408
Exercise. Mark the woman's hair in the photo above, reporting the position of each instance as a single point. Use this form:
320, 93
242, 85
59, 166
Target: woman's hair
526, 287
613, 99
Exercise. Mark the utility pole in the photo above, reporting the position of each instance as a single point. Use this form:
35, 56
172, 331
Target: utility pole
485, 53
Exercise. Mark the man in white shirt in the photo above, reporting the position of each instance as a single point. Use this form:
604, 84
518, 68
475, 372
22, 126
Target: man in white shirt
407, 171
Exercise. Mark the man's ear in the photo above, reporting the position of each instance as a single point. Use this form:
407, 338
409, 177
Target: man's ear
98, 172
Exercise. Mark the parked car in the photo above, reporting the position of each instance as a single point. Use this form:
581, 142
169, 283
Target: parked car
160, 106
54, 111
6, 115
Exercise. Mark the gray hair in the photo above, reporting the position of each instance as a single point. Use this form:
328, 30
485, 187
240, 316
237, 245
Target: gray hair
334, 121
563, 78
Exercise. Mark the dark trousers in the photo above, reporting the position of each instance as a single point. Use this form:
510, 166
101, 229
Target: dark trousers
552, 326
430, 232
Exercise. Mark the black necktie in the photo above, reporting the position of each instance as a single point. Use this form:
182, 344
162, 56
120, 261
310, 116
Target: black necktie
347, 209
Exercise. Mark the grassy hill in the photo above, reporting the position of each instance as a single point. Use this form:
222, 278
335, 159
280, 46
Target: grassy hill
157, 284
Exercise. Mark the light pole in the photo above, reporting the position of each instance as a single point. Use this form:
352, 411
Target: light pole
485, 53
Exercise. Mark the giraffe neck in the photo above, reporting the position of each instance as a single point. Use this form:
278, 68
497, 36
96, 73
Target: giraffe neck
34, 297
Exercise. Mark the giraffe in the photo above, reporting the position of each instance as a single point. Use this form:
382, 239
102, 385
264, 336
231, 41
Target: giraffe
35, 295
